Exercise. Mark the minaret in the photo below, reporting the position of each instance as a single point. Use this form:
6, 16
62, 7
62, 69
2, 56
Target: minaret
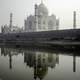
74, 20
11, 20
36, 17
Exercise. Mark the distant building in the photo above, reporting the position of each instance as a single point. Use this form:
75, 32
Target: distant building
14, 29
41, 21
10, 28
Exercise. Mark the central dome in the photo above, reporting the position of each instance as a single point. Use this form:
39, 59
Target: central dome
42, 9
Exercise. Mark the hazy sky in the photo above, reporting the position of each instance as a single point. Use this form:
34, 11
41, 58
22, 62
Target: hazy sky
63, 9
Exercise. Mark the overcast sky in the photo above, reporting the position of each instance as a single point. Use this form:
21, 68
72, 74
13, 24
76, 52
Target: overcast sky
63, 9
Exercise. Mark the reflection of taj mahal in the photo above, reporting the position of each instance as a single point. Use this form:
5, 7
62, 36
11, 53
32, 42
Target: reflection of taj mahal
41, 21
39, 61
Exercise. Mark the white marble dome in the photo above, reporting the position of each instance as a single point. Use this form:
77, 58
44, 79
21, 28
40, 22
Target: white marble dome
42, 9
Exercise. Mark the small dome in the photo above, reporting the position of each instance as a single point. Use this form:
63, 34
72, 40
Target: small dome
42, 9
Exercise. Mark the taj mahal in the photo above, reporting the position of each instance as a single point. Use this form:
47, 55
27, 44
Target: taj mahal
41, 21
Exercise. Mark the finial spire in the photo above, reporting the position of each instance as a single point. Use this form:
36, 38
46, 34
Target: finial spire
41, 1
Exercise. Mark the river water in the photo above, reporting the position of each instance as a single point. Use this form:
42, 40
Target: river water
36, 64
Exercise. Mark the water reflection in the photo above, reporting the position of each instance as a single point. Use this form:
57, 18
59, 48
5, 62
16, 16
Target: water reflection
39, 61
